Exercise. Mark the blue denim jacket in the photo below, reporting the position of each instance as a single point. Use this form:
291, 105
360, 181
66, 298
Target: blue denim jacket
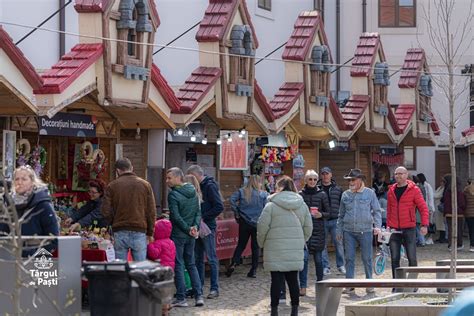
249, 211
359, 211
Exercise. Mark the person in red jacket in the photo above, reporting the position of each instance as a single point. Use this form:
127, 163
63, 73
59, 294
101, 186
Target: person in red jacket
163, 248
403, 198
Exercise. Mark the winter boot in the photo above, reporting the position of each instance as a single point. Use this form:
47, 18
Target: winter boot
274, 311
294, 310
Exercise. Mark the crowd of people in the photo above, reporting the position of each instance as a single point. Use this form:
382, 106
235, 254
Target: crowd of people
290, 225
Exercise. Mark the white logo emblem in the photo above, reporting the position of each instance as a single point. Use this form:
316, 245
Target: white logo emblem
43, 259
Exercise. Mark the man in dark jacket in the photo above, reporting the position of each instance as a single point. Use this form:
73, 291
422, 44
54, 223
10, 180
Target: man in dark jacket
185, 216
318, 204
129, 205
211, 207
334, 193
402, 200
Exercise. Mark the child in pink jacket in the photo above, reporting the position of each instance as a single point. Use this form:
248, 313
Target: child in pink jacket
163, 247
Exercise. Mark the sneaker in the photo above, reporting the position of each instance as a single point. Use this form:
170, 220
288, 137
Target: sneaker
179, 303
471, 249
461, 247
213, 294
230, 270
199, 301
252, 274
370, 290
342, 270
349, 291
327, 271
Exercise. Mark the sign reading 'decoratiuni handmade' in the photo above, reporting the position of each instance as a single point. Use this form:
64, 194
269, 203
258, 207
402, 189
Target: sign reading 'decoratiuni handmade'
233, 151
67, 124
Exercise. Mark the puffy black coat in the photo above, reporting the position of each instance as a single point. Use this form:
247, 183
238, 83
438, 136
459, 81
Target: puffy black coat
316, 197
335, 194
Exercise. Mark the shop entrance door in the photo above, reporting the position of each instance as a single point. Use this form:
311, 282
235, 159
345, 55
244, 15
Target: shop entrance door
442, 165
339, 161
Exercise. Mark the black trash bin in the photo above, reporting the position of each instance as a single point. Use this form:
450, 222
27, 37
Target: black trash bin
122, 288
109, 287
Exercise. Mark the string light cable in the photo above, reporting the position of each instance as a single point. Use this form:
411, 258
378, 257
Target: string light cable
220, 53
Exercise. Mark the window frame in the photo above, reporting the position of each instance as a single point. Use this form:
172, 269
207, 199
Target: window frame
397, 16
266, 5
413, 166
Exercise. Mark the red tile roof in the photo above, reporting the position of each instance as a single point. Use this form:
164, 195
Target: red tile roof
217, 20
354, 110
468, 131
393, 121
69, 68
410, 74
91, 5
262, 102
20, 61
165, 90
364, 56
337, 115
299, 45
196, 87
285, 98
403, 115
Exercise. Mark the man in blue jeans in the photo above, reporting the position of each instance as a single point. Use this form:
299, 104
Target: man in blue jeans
185, 216
211, 207
129, 204
359, 219
334, 193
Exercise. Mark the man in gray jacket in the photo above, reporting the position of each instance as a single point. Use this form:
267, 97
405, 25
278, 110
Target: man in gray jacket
359, 219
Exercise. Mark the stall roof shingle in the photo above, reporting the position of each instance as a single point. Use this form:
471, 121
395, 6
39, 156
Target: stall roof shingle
69, 68
217, 20
90, 5
196, 87
403, 115
262, 102
364, 56
354, 110
164, 88
299, 43
20, 61
285, 98
412, 66
337, 115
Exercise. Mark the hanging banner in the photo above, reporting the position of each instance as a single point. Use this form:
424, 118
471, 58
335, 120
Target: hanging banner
390, 160
67, 124
233, 151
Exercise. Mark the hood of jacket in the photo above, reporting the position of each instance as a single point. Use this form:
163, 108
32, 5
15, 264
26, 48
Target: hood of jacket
36, 197
163, 229
207, 180
410, 185
187, 190
287, 200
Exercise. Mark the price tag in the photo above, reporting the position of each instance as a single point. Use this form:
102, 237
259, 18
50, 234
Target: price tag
110, 253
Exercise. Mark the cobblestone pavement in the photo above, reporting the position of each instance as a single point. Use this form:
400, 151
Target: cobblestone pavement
240, 295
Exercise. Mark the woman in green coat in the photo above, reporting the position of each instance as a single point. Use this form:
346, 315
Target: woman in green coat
282, 231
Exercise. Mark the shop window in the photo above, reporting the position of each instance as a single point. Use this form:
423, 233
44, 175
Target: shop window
319, 75
409, 160
133, 24
241, 60
381, 83
265, 4
397, 13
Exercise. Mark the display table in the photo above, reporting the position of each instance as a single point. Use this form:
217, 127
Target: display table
227, 236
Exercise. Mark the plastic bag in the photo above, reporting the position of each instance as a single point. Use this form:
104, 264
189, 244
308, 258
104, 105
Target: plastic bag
204, 230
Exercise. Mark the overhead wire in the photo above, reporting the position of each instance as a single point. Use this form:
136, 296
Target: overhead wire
220, 53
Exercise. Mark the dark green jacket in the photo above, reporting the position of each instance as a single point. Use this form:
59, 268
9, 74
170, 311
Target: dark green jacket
185, 212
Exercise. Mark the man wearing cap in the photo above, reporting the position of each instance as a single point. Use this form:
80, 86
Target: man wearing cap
359, 219
403, 198
334, 192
